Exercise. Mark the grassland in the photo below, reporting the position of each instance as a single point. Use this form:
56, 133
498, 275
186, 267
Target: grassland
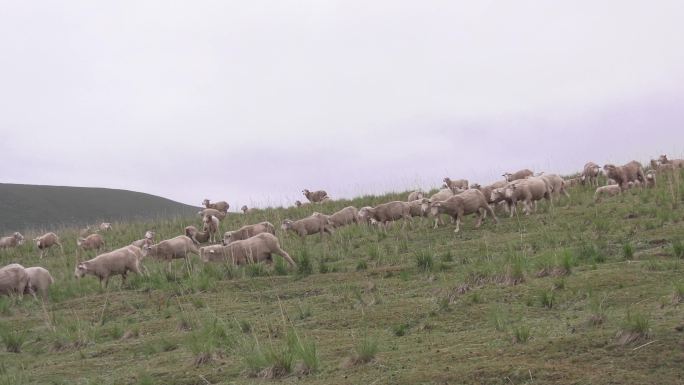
578, 293
26, 207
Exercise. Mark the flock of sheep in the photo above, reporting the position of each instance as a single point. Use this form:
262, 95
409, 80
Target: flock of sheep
257, 242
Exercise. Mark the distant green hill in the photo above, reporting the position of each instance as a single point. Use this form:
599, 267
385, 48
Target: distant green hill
35, 207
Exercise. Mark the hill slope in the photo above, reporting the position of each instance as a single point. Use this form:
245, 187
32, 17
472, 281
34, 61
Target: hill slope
33, 207
577, 293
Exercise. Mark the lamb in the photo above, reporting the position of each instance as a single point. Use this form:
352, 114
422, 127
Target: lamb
117, 262
13, 279
610, 190
590, 174
247, 210
148, 240
213, 212
91, 242
211, 225
307, 226
196, 235
471, 201
415, 195
105, 226
258, 248
248, 231
39, 281
572, 182
676, 163
178, 247
623, 174
556, 184
315, 196
386, 212
522, 174
222, 206
12, 241
46, 241
458, 184
345, 216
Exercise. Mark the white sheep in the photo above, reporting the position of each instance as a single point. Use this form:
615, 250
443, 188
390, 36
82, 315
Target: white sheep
39, 281
12, 241
13, 279
610, 190
117, 262
46, 241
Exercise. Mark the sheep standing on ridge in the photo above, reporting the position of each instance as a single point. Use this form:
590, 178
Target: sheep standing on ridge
222, 206
213, 212
178, 247
258, 248
456, 185
246, 210
345, 216
385, 213
46, 241
415, 195
105, 226
522, 174
210, 225
316, 196
12, 241
147, 240
676, 163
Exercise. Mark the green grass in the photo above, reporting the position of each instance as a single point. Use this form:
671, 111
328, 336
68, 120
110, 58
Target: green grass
427, 306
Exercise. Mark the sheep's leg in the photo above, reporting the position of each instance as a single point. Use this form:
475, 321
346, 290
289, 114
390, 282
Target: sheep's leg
479, 218
487, 208
285, 256
458, 223
436, 219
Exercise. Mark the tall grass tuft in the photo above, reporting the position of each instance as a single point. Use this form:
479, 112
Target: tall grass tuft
12, 339
424, 260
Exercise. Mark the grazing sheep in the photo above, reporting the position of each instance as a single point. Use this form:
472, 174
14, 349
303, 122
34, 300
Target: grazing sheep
471, 201
196, 235
386, 212
315, 196
307, 226
213, 212
117, 262
487, 191
247, 210
258, 248
522, 174
13, 240
178, 247
415, 195
46, 241
556, 184
248, 231
300, 204
650, 178
610, 190
439, 196
211, 225
148, 240
13, 279
91, 242
676, 163
39, 281
623, 174
454, 185
105, 226
222, 206
590, 174
345, 216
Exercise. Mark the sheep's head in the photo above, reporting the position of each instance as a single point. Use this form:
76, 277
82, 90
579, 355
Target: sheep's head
510, 190
287, 224
365, 213
190, 231
507, 176
498, 193
37, 241
475, 186
609, 168
306, 192
80, 270
244, 209
205, 202
17, 235
79, 241
146, 249
446, 180
424, 205
663, 159
149, 234
420, 195
298, 203
227, 237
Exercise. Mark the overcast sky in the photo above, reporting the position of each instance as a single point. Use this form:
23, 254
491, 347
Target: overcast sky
251, 101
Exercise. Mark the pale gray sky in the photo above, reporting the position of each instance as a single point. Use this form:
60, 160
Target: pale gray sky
252, 101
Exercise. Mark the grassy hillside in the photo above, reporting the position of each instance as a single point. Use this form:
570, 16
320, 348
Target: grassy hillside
38, 207
577, 293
